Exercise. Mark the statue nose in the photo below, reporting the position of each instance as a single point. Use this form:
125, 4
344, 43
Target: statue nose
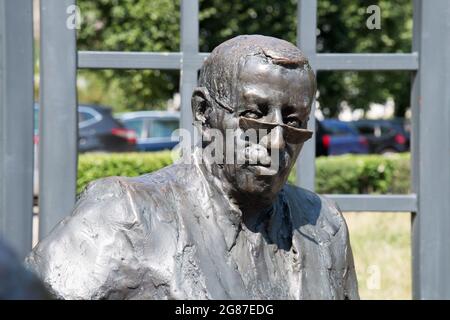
274, 139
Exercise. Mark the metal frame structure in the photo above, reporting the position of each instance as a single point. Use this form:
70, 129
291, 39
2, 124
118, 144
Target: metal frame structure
16, 123
58, 129
429, 64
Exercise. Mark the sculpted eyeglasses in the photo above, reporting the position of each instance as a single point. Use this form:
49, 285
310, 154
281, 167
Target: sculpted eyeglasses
292, 135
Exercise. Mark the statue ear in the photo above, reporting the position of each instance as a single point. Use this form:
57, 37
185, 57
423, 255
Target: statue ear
201, 103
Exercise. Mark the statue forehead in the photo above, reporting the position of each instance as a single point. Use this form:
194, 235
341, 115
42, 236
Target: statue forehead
225, 58
221, 71
258, 69
280, 51
259, 78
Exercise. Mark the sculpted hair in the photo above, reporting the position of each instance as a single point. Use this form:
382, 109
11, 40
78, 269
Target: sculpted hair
220, 70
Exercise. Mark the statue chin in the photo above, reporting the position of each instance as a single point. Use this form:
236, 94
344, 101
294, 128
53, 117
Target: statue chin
256, 178
249, 185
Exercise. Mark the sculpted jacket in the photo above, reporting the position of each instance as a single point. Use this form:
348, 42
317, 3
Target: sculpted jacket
173, 234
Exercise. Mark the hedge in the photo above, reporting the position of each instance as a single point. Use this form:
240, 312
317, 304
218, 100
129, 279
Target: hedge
363, 174
93, 166
350, 174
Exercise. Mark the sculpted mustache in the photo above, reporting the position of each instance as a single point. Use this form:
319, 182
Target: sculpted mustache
256, 154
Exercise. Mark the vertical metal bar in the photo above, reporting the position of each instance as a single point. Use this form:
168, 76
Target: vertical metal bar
58, 114
16, 123
431, 104
189, 47
415, 151
306, 41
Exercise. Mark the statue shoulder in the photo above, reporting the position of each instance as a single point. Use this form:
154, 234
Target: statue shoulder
141, 196
108, 199
101, 249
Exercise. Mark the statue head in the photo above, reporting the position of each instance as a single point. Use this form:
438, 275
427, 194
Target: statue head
256, 82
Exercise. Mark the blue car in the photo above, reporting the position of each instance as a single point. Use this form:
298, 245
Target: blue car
153, 128
335, 137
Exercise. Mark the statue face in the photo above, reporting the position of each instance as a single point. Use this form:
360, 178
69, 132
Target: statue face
275, 97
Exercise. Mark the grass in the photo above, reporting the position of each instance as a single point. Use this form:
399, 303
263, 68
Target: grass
382, 250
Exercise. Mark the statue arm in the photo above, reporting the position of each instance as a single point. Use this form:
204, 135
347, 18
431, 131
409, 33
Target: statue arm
350, 281
334, 222
87, 254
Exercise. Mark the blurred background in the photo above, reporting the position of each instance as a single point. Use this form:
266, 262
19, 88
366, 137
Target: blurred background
126, 117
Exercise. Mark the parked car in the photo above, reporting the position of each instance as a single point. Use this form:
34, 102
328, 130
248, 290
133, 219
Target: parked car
98, 130
403, 126
384, 136
154, 128
335, 137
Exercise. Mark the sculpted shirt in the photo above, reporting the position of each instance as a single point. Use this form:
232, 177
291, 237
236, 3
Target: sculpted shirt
174, 234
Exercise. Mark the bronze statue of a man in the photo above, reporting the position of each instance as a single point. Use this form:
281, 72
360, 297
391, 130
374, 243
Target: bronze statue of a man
210, 230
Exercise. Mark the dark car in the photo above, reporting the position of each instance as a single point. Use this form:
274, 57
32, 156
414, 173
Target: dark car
403, 126
384, 136
335, 137
154, 128
98, 130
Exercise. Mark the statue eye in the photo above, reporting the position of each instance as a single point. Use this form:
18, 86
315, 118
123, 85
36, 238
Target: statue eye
293, 122
252, 114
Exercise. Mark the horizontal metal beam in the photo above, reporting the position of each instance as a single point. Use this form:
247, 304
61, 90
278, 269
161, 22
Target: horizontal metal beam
173, 60
387, 203
366, 61
128, 60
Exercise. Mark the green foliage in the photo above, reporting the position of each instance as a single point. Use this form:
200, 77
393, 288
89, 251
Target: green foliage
142, 25
129, 25
339, 174
363, 174
342, 26
92, 166
222, 20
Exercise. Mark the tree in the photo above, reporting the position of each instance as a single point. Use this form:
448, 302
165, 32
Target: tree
143, 25
343, 29
129, 25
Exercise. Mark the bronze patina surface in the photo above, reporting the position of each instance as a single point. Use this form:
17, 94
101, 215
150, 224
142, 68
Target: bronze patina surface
206, 230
